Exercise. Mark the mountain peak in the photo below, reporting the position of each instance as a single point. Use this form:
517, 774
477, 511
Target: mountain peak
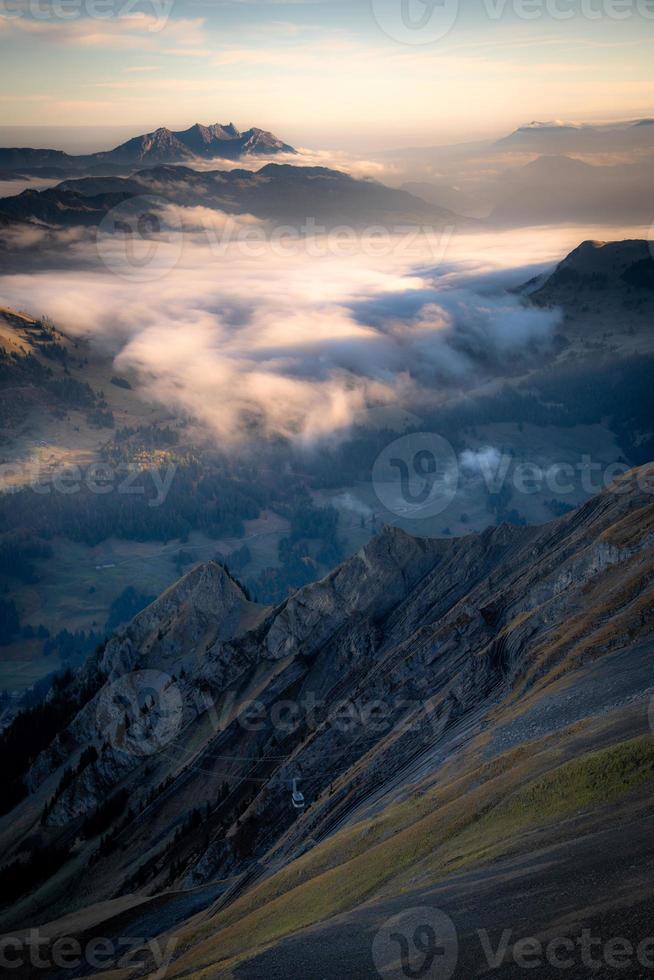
162, 145
225, 141
206, 605
207, 134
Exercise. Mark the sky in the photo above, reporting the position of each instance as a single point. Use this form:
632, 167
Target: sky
357, 75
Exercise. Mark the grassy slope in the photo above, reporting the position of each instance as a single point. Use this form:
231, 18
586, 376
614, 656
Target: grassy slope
472, 819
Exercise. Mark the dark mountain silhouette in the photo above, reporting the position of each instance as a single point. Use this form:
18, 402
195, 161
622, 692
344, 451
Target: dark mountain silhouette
558, 188
282, 192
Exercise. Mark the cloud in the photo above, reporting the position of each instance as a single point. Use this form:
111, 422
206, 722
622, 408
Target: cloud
290, 337
16, 185
485, 461
356, 166
347, 501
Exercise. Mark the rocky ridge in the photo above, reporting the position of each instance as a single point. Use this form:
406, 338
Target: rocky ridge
413, 642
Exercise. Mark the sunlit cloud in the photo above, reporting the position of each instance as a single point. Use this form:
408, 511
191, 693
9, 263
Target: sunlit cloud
290, 338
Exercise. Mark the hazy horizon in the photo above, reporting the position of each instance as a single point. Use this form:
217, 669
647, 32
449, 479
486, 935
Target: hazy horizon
90, 138
327, 74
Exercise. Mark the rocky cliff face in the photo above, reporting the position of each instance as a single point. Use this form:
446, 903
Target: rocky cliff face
207, 706
203, 608
164, 646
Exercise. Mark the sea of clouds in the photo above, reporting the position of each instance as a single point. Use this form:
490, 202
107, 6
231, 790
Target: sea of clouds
247, 330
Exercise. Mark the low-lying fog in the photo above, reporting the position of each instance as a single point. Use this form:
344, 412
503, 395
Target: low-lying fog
235, 322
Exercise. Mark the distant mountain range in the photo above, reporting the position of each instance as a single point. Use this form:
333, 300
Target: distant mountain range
562, 137
161, 146
281, 192
590, 174
558, 188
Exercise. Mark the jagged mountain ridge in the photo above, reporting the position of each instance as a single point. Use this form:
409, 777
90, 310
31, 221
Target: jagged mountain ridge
440, 632
160, 146
167, 146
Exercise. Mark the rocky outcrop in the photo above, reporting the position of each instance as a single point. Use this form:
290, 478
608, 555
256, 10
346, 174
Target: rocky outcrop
369, 584
205, 606
168, 640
